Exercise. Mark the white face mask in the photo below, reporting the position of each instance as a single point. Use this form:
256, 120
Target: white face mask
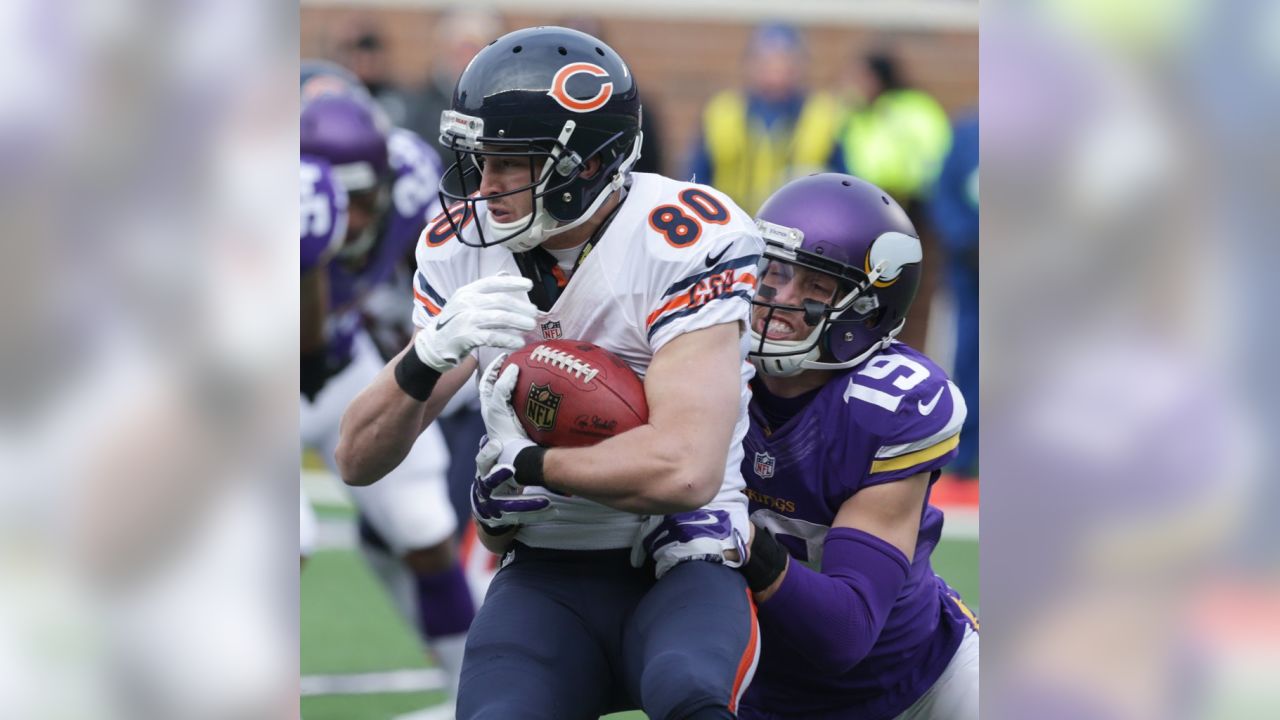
529, 235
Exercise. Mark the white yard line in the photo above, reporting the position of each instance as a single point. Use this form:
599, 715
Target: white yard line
392, 681
324, 488
959, 524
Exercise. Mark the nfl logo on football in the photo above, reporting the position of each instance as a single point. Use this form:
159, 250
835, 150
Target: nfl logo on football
764, 465
551, 330
540, 407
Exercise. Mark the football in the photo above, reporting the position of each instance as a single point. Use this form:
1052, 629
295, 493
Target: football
571, 393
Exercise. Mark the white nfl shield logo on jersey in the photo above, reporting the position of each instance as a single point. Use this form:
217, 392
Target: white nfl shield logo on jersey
551, 330
764, 465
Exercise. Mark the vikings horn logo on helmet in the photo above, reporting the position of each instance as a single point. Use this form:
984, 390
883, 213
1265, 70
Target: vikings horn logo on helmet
891, 252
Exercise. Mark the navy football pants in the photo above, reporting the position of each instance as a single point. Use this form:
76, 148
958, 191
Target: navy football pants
569, 635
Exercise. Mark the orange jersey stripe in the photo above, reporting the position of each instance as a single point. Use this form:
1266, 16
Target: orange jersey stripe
430, 306
748, 657
682, 300
679, 302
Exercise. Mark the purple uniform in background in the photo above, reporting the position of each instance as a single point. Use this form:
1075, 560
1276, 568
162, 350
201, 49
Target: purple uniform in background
324, 212
414, 201
893, 416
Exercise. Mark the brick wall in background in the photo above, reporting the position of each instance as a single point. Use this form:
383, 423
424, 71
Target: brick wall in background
678, 64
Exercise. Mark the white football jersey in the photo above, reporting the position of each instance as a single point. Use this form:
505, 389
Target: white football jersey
677, 257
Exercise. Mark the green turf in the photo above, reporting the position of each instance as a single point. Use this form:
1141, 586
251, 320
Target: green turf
957, 562
348, 625
366, 707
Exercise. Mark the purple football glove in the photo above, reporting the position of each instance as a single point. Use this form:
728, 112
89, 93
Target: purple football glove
496, 501
695, 535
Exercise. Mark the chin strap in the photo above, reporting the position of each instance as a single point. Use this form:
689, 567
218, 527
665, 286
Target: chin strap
616, 183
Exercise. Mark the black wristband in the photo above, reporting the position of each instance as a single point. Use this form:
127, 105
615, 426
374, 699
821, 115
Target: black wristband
313, 372
495, 530
415, 377
528, 465
768, 560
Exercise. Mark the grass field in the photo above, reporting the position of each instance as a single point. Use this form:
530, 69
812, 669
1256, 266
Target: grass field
348, 626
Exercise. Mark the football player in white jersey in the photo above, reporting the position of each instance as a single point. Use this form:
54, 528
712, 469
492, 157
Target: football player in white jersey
617, 588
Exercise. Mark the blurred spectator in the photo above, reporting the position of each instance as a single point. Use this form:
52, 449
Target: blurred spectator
896, 136
365, 55
752, 141
954, 209
459, 36
651, 160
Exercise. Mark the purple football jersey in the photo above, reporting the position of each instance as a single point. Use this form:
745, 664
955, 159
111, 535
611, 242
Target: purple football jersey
892, 417
324, 212
414, 201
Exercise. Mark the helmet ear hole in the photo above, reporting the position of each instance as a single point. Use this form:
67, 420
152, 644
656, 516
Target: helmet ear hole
590, 167
874, 317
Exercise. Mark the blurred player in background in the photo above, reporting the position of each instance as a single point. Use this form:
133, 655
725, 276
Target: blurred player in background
563, 240
849, 429
753, 141
406, 522
459, 34
323, 227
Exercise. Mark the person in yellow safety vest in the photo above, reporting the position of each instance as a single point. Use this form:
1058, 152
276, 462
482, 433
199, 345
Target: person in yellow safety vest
752, 141
896, 137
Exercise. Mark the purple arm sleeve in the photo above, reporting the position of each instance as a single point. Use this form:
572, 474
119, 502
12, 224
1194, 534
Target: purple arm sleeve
835, 616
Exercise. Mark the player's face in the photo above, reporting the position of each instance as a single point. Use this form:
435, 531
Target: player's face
790, 285
502, 174
362, 212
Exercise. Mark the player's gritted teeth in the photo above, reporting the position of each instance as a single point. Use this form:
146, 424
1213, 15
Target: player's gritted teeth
782, 325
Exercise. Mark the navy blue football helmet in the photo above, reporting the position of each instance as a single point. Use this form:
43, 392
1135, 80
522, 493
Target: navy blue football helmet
558, 97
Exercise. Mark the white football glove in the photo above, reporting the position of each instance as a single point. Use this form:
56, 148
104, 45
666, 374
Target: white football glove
490, 312
500, 421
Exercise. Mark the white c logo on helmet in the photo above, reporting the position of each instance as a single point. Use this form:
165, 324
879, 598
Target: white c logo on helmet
560, 94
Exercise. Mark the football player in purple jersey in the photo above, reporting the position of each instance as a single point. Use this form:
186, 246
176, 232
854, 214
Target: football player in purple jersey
322, 225
406, 523
849, 429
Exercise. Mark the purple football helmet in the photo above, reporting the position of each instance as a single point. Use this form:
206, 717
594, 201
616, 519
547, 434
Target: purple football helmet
347, 133
322, 77
841, 266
